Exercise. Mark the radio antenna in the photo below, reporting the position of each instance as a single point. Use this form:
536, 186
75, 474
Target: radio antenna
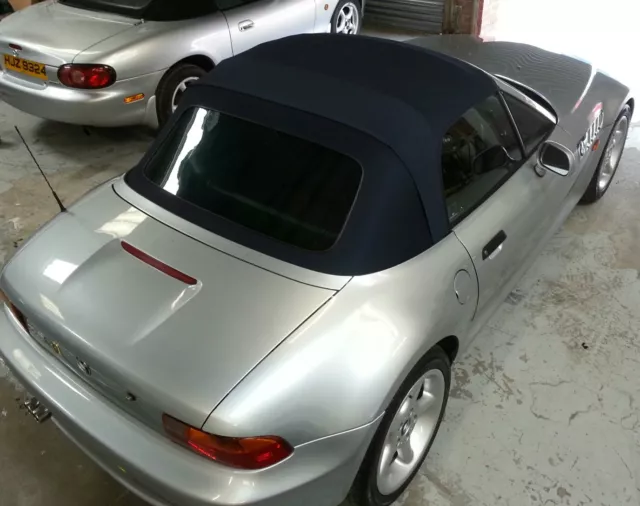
53, 192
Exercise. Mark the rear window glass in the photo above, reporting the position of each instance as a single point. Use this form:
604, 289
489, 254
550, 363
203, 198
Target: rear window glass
109, 5
282, 186
151, 10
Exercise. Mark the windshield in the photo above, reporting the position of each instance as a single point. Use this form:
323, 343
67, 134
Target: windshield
285, 187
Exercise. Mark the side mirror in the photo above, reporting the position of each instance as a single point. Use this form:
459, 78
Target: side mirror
491, 159
556, 158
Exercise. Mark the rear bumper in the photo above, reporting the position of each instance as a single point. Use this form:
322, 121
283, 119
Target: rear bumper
319, 473
101, 108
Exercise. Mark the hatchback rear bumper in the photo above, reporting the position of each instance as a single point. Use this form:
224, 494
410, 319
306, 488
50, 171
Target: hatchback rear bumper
318, 473
100, 108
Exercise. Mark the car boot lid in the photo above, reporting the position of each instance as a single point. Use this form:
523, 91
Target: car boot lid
157, 321
53, 34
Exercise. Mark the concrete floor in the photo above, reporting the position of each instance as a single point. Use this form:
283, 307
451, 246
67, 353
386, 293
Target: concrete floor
544, 408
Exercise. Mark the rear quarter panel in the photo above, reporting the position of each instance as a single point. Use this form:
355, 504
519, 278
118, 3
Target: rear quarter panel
324, 13
153, 46
341, 368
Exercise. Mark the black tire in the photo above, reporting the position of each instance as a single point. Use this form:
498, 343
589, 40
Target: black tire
594, 192
336, 15
169, 84
365, 491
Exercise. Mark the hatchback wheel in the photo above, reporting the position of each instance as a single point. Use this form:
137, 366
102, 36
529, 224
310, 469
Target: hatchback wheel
346, 18
172, 87
610, 159
406, 433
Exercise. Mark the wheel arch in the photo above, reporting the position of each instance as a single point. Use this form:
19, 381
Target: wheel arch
450, 345
200, 60
632, 104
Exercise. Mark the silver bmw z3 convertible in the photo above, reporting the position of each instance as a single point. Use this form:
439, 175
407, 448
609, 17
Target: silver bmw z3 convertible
266, 308
126, 62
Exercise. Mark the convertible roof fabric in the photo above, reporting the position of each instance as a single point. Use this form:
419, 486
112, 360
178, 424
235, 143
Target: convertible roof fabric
403, 95
383, 103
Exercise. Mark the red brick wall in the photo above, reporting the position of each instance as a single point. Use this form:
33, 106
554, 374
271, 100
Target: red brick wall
462, 14
461, 17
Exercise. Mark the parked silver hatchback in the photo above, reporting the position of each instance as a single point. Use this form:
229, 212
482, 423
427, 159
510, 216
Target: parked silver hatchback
115, 62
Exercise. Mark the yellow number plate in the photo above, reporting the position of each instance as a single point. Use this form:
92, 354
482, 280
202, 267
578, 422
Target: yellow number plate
28, 67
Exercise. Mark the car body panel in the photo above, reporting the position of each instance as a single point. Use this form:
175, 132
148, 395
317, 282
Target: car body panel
318, 473
105, 108
152, 46
345, 363
559, 78
568, 84
269, 20
138, 328
53, 34
528, 208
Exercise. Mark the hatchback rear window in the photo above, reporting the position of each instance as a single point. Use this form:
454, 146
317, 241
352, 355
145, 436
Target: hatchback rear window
285, 187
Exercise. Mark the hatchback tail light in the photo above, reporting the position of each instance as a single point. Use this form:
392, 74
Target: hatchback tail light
86, 76
242, 452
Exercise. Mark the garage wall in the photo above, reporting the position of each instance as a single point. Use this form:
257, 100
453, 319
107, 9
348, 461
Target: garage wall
421, 15
489, 17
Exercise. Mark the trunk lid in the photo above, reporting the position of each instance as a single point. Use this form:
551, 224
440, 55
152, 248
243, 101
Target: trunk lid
53, 34
147, 341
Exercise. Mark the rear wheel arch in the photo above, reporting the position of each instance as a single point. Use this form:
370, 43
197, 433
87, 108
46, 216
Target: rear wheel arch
365, 490
190, 68
451, 346
200, 60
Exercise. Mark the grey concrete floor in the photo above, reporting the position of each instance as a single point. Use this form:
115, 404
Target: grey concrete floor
544, 407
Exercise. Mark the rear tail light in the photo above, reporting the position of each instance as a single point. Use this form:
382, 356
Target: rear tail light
86, 76
14, 310
243, 452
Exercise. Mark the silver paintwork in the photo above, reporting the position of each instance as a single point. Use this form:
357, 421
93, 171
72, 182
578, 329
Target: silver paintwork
162, 472
259, 346
411, 431
140, 51
140, 349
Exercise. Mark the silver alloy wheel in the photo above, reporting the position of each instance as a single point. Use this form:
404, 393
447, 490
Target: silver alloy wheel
613, 153
348, 19
180, 89
411, 431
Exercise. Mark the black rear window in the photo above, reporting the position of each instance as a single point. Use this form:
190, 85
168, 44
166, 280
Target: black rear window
283, 186
152, 10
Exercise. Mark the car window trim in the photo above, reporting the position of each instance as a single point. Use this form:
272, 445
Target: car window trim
517, 166
504, 83
515, 125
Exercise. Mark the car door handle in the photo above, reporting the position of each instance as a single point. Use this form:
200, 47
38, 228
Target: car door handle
494, 246
245, 25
